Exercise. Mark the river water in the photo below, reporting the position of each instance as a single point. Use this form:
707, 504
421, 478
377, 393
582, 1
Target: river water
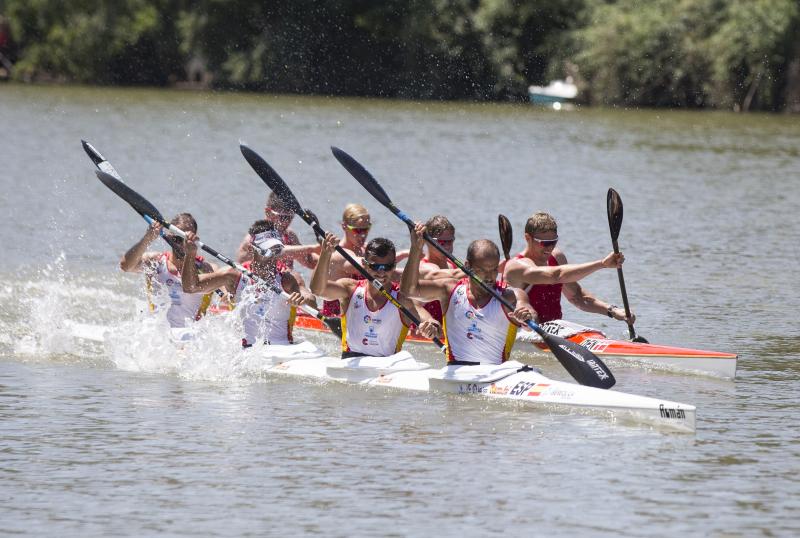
132, 438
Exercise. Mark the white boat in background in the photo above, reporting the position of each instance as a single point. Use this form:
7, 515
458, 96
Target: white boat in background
555, 94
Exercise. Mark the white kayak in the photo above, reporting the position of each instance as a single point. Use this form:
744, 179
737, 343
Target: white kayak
511, 380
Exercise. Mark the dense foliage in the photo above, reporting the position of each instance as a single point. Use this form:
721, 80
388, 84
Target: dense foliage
742, 54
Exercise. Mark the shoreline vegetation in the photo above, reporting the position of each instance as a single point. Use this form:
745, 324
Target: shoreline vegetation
738, 55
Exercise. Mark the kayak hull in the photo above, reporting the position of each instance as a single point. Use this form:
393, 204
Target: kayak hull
509, 381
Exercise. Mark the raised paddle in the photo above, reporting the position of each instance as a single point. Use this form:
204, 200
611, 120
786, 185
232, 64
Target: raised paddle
102, 164
282, 190
146, 209
506, 235
581, 363
614, 207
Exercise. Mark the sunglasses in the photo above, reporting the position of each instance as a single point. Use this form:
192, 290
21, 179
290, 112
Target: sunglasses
174, 239
444, 242
386, 267
547, 242
278, 215
358, 229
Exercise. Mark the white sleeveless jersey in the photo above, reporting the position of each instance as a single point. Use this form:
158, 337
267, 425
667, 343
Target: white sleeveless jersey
265, 313
482, 335
377, 334
184, 307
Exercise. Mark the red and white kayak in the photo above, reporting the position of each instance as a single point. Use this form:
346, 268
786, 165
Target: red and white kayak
653, 355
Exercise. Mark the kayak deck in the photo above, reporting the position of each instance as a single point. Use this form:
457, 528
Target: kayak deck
674, 358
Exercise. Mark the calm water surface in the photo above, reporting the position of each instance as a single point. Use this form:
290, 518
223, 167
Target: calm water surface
133, 438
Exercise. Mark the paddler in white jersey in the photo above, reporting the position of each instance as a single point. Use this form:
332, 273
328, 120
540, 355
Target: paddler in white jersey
267, 316
163, 271
478, 329
371, 324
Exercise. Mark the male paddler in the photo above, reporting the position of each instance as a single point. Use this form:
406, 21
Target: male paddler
371, 324
478, 329
543, 272
163, 271
436, 265
356, 224
267, 316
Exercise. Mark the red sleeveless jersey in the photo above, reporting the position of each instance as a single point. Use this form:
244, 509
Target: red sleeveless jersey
545, 298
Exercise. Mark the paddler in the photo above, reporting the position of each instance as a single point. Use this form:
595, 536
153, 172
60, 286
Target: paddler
436, 265
478, 329
543, 272
268, 317
276, 212
356, 224
371, 324
163, 271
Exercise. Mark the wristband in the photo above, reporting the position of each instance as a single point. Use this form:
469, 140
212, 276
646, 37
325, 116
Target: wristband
610, 310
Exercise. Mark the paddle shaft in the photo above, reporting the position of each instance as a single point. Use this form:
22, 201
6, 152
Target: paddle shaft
375, 284
224, 259
631, 330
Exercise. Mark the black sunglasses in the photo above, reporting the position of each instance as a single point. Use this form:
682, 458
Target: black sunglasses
380, 266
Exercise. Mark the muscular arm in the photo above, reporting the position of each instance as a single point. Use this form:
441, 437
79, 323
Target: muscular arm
135, 258
321, 285
410, 283
521, 272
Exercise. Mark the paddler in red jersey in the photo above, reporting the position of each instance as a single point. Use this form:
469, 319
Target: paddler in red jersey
356, 224
371, 324
163, 272
478, 329
281, 217
436, 265
543, 272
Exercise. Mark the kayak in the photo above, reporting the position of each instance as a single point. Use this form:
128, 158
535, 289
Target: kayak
508, 381
652, 355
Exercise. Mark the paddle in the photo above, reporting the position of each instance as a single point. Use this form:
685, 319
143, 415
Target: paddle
614, 207
102, 164
146, 209
581, 363
281, 189
506, 236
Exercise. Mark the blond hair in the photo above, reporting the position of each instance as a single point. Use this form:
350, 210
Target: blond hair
353, 212
541, 222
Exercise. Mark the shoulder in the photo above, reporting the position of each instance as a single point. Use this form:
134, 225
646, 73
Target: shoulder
560, 256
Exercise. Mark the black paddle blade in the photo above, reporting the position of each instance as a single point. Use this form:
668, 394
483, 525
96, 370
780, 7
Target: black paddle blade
640, 340
335, 325
614, 206
583, 365
364, 177
506, 234
273, 180
136, 200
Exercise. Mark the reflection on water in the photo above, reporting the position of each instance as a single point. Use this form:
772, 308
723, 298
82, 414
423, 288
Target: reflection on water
133, 436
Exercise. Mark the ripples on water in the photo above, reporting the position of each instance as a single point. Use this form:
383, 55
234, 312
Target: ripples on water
133, 437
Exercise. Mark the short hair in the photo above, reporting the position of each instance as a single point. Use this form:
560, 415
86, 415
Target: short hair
481, 246
541, 222
379, 247
260, 226
354, 212
276, 202
439, 224
184, 219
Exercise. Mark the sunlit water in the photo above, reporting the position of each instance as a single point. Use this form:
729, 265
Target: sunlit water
135, 436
